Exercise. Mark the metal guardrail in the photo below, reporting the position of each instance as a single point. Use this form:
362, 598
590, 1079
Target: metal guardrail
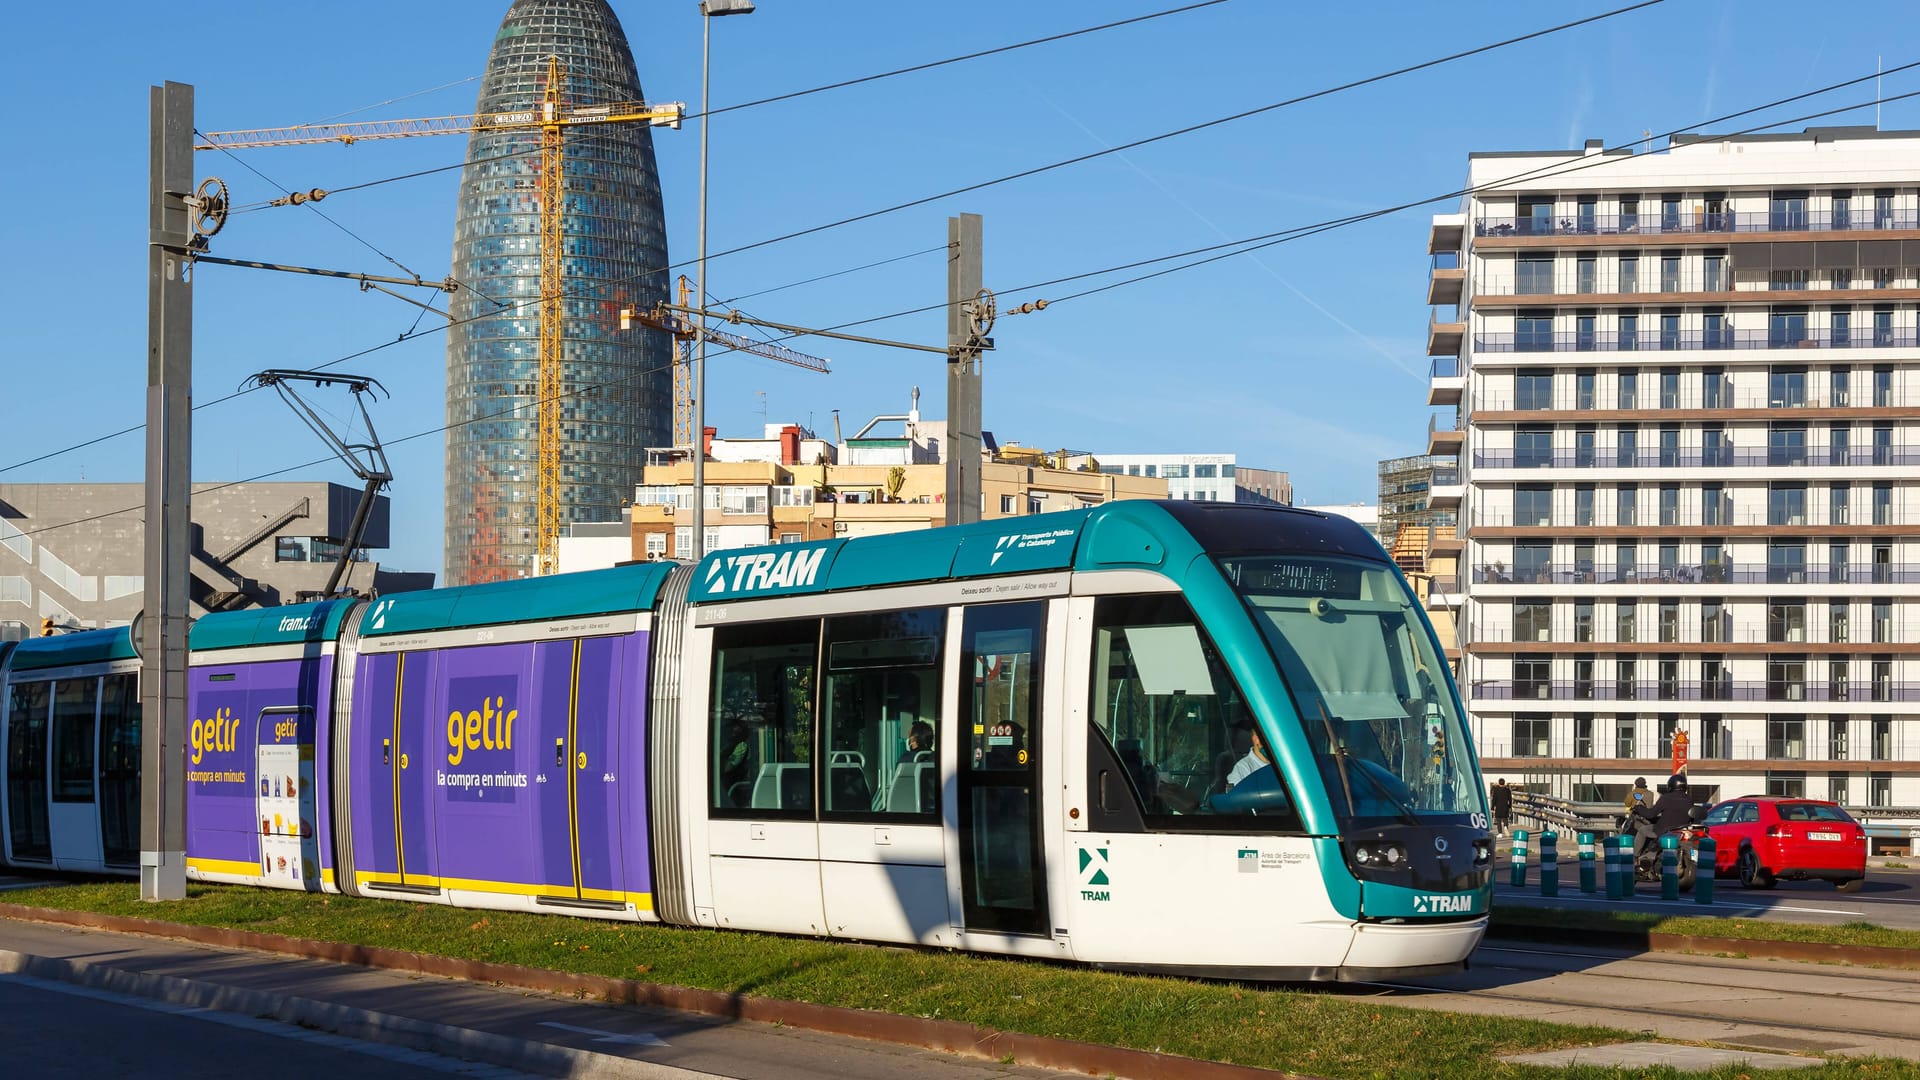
1888, 829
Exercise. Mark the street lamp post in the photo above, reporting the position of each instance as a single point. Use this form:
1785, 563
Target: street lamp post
709, 10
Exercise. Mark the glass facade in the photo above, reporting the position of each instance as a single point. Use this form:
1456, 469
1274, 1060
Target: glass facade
617, 387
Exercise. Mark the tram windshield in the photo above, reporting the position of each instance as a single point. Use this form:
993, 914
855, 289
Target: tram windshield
1368, 683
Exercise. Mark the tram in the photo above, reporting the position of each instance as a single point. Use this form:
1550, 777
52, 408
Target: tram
1178, 737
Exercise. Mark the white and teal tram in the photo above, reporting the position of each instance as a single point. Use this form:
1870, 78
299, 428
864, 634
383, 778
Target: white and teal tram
1181, 737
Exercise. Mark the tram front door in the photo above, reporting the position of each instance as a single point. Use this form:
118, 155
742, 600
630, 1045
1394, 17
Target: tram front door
1002, 869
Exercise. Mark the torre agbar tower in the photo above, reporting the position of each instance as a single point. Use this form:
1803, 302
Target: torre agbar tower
618, 386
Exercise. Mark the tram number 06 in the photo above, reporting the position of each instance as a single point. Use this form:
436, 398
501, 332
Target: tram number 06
1478, 821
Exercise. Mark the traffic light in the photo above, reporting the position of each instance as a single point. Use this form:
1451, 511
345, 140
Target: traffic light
46, 626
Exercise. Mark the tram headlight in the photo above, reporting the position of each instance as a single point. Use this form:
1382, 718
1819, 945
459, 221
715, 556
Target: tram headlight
1482, 852
1380, 855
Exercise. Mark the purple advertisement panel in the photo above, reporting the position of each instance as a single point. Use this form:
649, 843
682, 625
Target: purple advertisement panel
629, 716
395, 740
227, 707
529, 778
488, 787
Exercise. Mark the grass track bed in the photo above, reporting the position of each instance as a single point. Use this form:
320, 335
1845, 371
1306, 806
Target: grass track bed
1320, 1034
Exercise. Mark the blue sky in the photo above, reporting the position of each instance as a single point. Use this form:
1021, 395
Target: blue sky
1307, 357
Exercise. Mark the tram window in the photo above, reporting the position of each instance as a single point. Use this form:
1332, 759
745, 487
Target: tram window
762, 722
878, 713
1177, 725
75, 705
27, 771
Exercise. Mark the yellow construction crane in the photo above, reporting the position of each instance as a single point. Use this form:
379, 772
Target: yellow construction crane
551, 117
685, 331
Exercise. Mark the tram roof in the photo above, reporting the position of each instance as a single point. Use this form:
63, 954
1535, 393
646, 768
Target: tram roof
632, 587
1127, 534
75, 649
291, 624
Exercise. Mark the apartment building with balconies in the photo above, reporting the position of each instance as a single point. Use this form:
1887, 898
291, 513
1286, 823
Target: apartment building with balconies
1683, 391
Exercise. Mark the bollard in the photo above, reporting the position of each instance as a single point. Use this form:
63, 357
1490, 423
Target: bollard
1586, 862
1549, 863
1669, 867
1705, 857
1623, 847
1518, 863
1610, 851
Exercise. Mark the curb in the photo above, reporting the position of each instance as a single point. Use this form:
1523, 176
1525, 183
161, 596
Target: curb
1809, 951
522, 1055
949, 1036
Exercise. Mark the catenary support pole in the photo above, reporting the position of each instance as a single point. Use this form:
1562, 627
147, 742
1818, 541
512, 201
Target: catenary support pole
965, 277
163, 623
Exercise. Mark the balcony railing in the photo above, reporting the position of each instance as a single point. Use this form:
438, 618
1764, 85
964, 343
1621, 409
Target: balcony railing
1445, 476
1698, 573
1692, 690
1694, 395
1705, 748
1688, 517
1694, 458
1444, 367
1693, 340
1658, 222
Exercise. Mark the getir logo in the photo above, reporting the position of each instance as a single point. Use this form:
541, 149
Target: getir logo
764, 570
214, 736
489, 726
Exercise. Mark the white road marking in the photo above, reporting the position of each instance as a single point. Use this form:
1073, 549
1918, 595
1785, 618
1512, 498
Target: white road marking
642, 1039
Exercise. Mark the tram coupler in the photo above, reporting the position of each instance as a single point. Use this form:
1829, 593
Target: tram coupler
1669, 867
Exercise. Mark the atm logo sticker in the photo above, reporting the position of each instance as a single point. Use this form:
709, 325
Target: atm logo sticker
1094, 883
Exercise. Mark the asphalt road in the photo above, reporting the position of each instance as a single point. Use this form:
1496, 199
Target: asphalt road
52, 1029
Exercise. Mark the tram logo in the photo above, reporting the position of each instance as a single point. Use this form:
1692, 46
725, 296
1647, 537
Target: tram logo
1249, 860
763, 570
1440, 904
1093, 874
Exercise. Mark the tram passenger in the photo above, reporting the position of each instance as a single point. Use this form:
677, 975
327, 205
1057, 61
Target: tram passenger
919, 740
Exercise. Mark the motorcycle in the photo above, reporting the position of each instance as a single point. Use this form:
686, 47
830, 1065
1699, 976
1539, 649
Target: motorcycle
1646, 864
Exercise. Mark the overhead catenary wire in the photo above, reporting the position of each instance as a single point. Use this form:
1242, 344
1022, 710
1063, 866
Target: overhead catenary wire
1583, 163
931, 64
1241, 246
1187, 130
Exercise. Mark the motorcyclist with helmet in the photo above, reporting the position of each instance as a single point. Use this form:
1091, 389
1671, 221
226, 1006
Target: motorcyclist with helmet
1668, 814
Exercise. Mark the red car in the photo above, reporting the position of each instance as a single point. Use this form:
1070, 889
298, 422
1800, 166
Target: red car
1763, 838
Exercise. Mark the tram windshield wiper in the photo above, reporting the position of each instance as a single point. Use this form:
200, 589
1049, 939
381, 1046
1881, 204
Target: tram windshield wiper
1341, 754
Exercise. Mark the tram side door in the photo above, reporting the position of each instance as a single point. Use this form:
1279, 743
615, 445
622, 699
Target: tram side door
1002, 860
579, 685
398, 850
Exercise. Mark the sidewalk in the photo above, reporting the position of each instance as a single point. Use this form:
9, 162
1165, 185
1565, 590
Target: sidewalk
537, 1022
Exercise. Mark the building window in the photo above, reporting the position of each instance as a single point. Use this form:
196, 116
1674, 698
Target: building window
1583, 736
1839, 682
656, 545
1787, 280
1837, 621
1532, 620
1533, 504
1713, 621
1881, 733
1786, 679
1007, 505
1786, 739
1837, 728
1787, 785
1532, 677
1035, 505
1623, 621
1532, 736
1883, 504
1583, 620
1787, 621
1879, 789
1626, 499
1626, 737
1837, 788
1787, 504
